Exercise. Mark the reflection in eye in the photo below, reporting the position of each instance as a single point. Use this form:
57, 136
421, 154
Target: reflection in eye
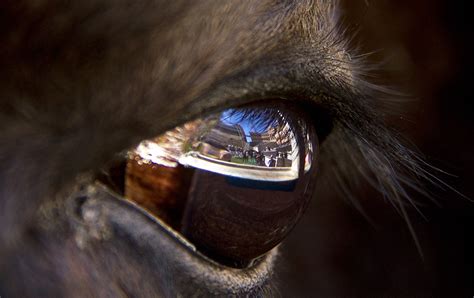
237, 143
233, 183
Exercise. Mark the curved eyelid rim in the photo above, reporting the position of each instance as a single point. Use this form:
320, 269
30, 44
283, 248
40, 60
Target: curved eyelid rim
261, 268
155, 219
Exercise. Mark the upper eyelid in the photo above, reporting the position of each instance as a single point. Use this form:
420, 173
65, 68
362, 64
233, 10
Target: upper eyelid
286, 82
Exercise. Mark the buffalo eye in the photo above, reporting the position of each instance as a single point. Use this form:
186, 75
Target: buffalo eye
233, 183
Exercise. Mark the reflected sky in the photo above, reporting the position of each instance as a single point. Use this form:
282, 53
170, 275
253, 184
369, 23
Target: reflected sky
232, 117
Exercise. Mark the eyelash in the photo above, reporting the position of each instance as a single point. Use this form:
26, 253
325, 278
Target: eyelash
363, 149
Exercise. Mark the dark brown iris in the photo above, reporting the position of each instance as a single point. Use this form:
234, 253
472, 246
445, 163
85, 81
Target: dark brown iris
159, 189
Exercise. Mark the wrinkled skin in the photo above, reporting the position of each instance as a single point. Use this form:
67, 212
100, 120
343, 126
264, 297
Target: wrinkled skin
83, 80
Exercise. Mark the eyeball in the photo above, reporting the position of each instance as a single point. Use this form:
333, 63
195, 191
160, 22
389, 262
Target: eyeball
233, 184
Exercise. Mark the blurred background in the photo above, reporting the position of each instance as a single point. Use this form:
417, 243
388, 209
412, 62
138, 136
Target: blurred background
423, 48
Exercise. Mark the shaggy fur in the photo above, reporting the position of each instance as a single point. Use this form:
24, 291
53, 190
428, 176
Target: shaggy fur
83, 80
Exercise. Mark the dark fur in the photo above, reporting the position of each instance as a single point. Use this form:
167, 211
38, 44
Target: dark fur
83, 80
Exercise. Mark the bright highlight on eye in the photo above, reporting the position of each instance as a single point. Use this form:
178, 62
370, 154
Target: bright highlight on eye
233, 183
236, 143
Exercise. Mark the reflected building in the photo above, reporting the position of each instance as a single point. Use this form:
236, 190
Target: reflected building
261, 141
236, 143
242, 147
224, 135
274, 144
222, 139
269, 148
